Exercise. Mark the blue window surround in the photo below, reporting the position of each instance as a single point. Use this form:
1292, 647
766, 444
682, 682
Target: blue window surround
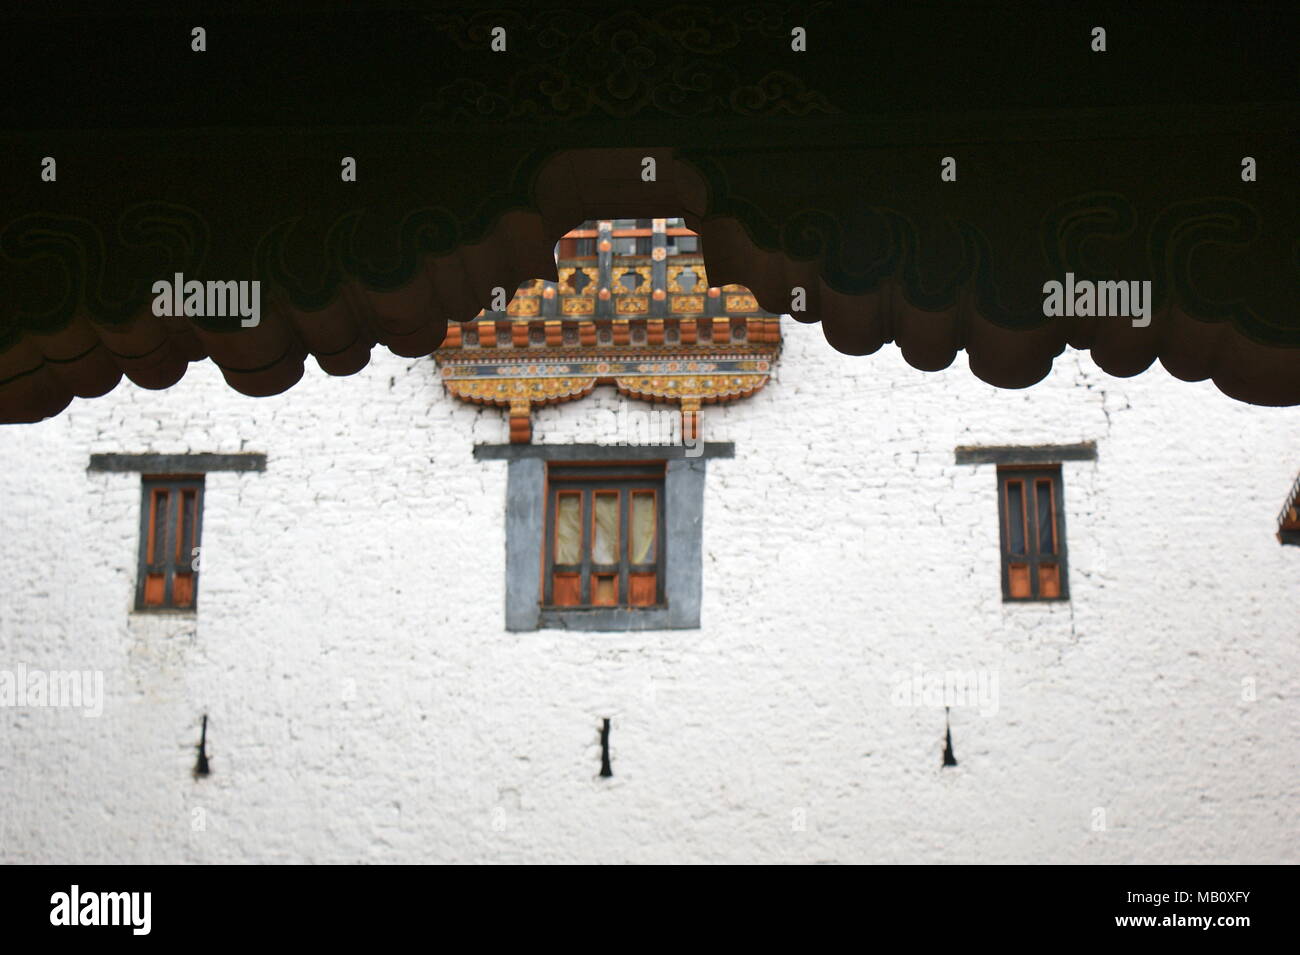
683, 524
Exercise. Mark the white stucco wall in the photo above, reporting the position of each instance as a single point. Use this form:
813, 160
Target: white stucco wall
366, 703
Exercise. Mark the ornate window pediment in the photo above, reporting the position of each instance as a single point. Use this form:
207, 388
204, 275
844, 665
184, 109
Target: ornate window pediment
639, 314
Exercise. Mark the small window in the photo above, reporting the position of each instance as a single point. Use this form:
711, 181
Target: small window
1033, 533
576, 249
170, 529
603, 540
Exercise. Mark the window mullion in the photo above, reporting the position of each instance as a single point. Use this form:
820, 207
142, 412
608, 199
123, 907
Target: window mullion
175, 503
548, 544
1032, 553
587, 514
661, 545
625, 546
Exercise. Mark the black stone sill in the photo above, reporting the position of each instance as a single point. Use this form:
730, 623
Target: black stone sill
598, 608
611, 620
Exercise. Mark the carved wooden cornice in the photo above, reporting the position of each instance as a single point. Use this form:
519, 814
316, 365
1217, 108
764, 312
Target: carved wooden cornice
625, 330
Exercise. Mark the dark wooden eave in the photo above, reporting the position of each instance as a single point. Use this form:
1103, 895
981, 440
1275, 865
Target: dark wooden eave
818, 170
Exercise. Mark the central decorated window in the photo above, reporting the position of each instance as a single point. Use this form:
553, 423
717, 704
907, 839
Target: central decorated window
604, 537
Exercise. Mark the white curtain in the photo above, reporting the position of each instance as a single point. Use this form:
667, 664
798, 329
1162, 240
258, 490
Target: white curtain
604, 547
568, 530
643, 523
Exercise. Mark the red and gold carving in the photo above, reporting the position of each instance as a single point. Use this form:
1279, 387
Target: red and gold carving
674, 274
707, 388
521, 422
690, 419
566, 286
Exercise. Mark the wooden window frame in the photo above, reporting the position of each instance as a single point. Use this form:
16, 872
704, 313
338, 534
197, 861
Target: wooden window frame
1033, 560
176, 558
625, 479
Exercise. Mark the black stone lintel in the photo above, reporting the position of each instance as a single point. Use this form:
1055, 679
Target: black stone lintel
176, 463
603, 452
1027, 454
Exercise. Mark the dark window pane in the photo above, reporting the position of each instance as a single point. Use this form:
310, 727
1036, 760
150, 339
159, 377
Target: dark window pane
1015, 517
1046, 519
158, 543
186, 534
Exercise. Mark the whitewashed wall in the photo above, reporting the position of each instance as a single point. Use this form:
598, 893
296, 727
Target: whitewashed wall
366, 703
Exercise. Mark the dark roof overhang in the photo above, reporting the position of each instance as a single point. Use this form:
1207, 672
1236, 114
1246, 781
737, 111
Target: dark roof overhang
818, 170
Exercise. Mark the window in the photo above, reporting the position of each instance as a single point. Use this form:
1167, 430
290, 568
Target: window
681, 239
582, 247
604, 538
603, 544
1033, 533
1288, 522
170, 521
